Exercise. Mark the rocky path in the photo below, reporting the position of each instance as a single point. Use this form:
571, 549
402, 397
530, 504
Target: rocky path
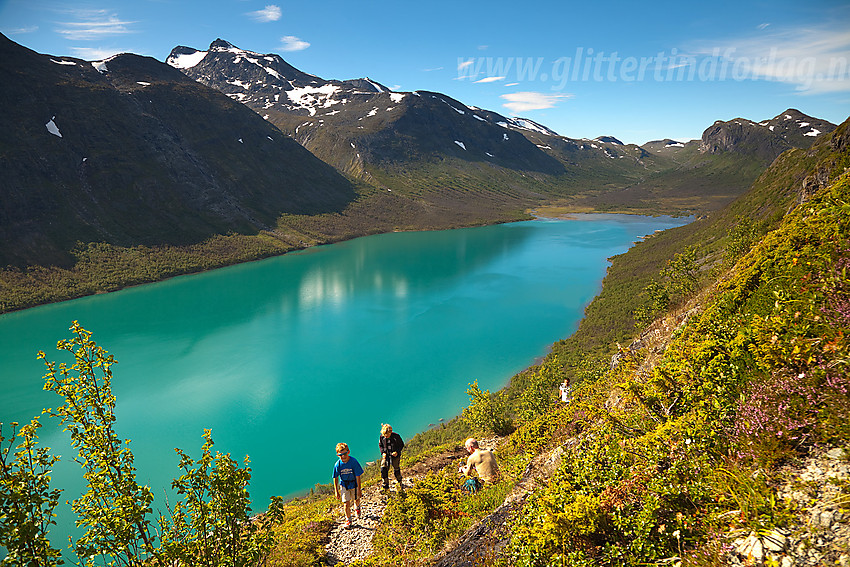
347, 545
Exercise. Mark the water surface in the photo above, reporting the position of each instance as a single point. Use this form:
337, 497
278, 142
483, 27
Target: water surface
285, 357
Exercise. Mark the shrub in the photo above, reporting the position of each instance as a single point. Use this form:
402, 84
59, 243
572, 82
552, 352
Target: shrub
486, 412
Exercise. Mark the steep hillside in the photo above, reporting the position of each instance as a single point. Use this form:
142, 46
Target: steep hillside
718, 436
129, 151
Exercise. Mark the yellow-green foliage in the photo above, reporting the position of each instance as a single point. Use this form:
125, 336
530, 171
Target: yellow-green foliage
759, 375
486, 413
419, 523
301, 532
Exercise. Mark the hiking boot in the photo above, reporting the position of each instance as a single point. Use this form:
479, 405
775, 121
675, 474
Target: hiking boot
348, 523
357, 511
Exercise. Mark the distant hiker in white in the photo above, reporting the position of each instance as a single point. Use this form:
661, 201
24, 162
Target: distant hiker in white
566, 391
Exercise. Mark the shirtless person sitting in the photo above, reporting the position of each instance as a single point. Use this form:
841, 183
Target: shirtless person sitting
482, 460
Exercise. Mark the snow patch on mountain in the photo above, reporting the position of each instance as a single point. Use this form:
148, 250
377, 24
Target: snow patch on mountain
186, 60
53, 128
459, 111
238, 83
526, 124
100, 66
313, 97
374, 84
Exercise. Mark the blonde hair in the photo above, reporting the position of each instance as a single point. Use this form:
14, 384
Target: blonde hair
341, 447
386, 428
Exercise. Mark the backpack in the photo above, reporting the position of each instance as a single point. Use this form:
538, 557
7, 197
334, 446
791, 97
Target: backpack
472, 485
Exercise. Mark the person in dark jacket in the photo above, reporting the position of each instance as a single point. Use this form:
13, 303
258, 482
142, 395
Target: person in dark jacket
391, 445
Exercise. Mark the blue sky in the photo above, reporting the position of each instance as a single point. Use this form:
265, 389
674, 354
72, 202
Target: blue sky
637, 71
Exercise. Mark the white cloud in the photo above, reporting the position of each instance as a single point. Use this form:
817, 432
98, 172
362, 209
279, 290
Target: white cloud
815, 60
490, 79
762, 26
28, 29
96, 24
292, 43
464, 64
270, 13
528, 100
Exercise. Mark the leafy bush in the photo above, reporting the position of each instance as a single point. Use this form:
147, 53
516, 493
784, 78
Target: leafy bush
210, 526
486, 412
26, 500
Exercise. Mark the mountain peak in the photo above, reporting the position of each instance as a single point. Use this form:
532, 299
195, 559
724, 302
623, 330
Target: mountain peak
767, 139
792, 112
221, 45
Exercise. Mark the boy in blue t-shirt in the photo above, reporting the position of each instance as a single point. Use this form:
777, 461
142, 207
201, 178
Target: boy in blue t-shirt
347, 471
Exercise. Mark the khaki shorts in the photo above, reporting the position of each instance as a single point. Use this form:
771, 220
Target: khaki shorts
348, 495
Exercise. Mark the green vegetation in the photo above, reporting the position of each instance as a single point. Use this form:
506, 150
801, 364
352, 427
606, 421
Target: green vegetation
26, 500
672, 447
676, 455
211, 525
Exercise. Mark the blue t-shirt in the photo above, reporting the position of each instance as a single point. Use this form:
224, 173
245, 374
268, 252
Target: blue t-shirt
348, 472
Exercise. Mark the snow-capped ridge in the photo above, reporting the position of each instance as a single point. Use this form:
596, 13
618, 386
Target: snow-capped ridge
528, 124
185, 57
609, 140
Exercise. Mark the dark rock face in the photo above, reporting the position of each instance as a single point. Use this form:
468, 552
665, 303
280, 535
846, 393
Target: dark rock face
765, 140
131, 151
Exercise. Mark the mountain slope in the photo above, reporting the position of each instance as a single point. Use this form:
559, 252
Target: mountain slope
349, 122
766, 139
411, 142
130, 151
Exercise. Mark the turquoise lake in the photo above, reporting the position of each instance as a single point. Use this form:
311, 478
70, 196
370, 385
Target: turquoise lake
284, 357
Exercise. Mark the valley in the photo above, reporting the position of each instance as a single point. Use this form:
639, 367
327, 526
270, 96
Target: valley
151, 173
